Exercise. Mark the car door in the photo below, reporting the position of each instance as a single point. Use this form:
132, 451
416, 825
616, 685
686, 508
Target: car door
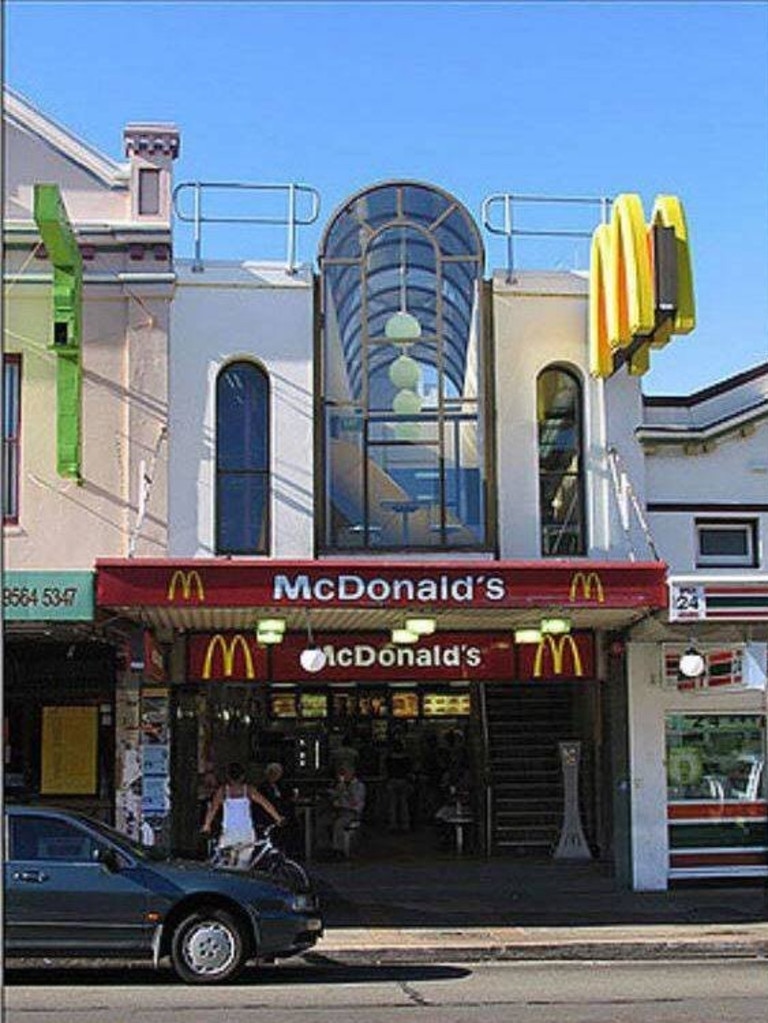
59, 896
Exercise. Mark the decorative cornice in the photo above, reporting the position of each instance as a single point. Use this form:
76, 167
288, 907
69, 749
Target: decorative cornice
151, 140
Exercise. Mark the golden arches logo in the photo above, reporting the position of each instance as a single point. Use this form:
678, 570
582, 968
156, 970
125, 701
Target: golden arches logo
587, 582
228, 648
641, 284
557, 645
186, 581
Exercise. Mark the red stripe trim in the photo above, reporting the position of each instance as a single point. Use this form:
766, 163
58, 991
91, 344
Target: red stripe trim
718, 859
716, 811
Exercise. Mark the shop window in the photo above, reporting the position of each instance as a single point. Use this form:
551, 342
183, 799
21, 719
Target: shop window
242, 460
716, 757
561, 482
725, 543
405, 396
11, 436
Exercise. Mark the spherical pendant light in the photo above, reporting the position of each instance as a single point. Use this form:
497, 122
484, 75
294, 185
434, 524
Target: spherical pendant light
404, 373
402, 327
406, 403
408, 431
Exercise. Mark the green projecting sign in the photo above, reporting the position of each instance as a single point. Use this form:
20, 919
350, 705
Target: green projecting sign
48, 596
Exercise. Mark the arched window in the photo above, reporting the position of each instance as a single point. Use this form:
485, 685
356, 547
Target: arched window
404, 381
242, 460
561, 470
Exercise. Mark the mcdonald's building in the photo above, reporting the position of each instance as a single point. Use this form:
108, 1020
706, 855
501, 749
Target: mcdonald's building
407, 499
444, 539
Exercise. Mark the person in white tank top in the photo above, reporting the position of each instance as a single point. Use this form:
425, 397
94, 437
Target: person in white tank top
234, 799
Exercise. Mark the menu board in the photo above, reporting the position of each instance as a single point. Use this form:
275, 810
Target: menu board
405, 705
283, 706
445, 705
313, 705
344, 705
372, 705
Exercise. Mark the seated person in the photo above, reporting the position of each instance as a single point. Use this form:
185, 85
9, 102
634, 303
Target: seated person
346, 801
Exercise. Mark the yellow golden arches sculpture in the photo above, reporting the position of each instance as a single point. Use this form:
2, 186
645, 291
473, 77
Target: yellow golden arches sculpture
640, 284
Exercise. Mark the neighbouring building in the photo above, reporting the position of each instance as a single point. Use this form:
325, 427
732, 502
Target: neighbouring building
88, 276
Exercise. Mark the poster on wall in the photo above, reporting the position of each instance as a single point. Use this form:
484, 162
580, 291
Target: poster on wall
69, 751
155, 766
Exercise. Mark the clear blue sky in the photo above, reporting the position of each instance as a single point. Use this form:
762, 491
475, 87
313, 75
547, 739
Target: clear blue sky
549, 98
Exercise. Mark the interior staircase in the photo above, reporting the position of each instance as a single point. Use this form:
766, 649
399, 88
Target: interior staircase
525, 724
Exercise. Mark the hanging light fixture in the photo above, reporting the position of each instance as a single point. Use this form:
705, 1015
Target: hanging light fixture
691, 663
271, 625
402, 327
270, 631
403, 637
408, 431
406, 403
421, 626
404, 373
528, 635
555, 626
265, 637
312, 658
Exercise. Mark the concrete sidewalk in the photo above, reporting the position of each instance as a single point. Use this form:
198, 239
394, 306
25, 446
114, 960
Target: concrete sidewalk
476, 909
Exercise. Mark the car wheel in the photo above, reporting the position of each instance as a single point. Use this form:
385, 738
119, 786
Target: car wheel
208, 947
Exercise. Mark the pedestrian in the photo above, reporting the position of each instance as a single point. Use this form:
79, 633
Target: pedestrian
234, 800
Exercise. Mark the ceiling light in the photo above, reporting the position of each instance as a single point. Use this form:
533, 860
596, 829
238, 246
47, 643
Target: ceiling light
529, 635
269, 637
555, 626
403, 636
271, 625
421, 626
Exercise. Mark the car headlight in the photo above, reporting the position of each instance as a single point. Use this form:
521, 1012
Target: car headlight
303, 903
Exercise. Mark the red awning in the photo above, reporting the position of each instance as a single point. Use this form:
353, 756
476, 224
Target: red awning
216, 593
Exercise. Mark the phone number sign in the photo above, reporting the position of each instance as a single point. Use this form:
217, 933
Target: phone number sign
48, 596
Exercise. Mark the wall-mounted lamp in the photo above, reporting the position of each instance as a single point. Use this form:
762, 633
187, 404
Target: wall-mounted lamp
421, 626
402, 637
691, 663
528, 635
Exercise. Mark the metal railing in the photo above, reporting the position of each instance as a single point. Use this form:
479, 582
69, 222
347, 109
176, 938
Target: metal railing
509, 230
291, 219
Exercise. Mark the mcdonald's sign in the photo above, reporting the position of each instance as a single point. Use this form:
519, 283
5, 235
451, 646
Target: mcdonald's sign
640, 284
186, 583
589, 584
224, 655
568, 656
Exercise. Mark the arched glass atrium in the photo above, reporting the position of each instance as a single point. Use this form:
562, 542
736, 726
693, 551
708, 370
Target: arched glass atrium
404, 375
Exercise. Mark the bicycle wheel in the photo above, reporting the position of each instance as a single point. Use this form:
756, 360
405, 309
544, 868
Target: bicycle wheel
291, 874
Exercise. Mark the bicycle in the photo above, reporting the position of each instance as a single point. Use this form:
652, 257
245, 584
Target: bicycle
263, 857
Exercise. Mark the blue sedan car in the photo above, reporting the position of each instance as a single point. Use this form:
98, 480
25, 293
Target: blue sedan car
75, 887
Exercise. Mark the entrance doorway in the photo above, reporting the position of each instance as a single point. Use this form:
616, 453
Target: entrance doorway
310, 731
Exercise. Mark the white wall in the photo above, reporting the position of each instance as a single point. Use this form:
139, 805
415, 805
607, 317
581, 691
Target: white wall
539, 319
241, 311
733, 474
